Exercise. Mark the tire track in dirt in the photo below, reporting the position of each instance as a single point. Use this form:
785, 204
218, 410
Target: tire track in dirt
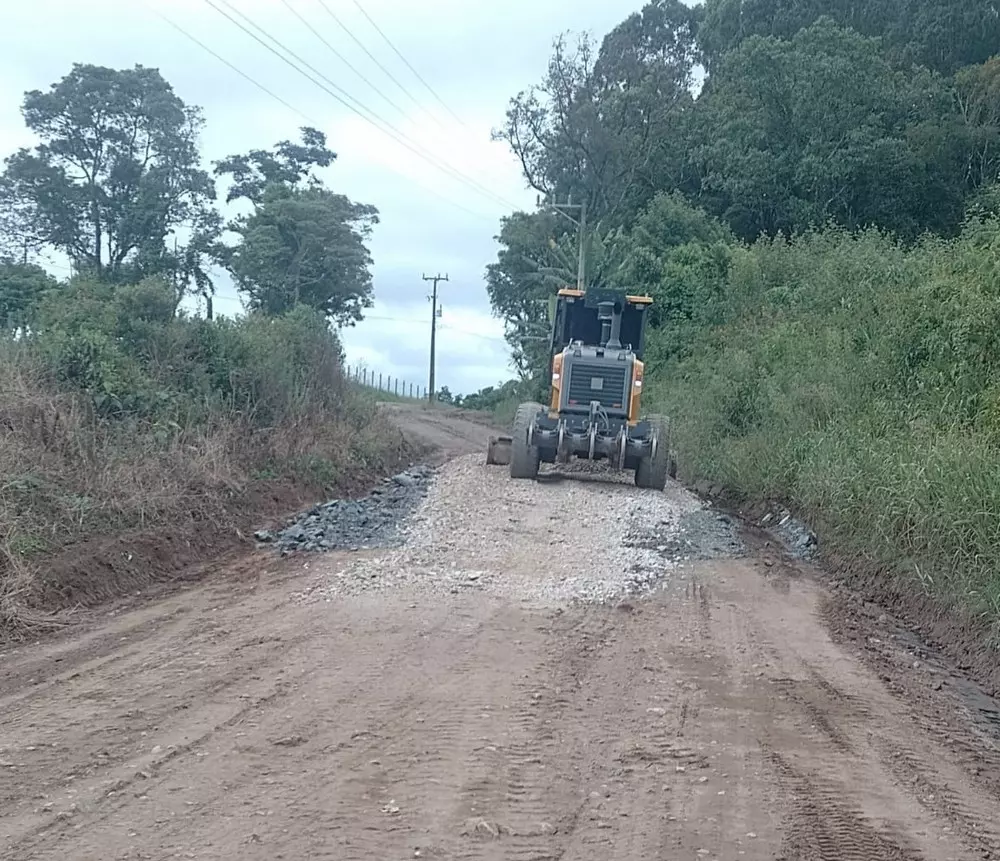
944, 790
714, 719
404, 769
219, 709
716, 789
822, 827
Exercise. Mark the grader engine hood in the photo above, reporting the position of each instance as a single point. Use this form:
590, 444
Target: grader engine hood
596, 372
592, 374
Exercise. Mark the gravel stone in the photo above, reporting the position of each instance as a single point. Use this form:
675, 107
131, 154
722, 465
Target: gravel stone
798, 538
341, 524
476, 528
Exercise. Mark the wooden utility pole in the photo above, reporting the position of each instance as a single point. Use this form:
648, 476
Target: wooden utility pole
581, 224
434, 315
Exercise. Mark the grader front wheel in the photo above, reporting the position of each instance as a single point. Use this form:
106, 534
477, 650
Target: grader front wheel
652, 471
524, 457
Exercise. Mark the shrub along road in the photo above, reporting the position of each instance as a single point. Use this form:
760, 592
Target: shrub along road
500, 683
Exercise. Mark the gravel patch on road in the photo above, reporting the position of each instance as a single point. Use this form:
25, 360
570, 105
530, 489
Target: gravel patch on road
580, 535
378, 520
798, 538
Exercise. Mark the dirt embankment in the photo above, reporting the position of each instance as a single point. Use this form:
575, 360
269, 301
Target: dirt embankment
569, 668
63, 585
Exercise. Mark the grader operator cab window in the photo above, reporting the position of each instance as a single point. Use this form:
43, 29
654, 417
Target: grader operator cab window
580, 319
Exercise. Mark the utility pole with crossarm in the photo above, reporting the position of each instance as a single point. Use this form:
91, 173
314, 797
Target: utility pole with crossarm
582, 238
435, 313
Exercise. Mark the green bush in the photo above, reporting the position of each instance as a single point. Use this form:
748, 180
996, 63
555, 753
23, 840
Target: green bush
128, 349
117, 412
857, 380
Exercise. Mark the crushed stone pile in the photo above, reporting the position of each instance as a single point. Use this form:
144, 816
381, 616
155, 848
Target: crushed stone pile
375, 521
587, 536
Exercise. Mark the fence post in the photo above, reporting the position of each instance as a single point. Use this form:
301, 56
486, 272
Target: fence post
379, 380
411, 391
364, 377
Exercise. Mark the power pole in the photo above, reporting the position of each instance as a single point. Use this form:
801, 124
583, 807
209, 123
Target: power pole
434, 316
581, 224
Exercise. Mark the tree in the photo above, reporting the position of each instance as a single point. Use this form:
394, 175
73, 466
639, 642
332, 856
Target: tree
187, 266
290, 164
679, 255
305, 246
23, 287
116, 171
21, 238
821, 127
302, 244
978, 93
943, 35
519, 284
607, 126
537, 258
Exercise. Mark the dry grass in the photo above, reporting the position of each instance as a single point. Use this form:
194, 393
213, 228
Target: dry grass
67, 476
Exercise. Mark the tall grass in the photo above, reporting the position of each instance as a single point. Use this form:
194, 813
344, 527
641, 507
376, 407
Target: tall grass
859, 381
117, 416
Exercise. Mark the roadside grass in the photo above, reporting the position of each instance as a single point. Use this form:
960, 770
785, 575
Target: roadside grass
504, 411
186, 428
858, 382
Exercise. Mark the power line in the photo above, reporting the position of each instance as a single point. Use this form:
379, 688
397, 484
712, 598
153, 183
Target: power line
397, 52
238, 71
388, 130
338, 55
430, 114
495, 338
375, 60
446, 326
311, 120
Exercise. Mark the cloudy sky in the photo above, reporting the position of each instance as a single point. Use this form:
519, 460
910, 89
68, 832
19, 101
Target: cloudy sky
473, 55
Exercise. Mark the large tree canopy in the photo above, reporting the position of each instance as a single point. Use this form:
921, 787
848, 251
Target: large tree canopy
943, 35
116, 171
302, 244
821, 127
882, 113
607, 124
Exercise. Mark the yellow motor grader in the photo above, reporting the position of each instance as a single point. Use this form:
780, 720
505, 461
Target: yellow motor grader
594, 409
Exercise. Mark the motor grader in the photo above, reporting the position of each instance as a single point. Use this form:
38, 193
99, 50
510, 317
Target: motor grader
596, 368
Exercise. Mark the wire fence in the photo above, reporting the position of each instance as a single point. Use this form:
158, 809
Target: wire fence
395, 386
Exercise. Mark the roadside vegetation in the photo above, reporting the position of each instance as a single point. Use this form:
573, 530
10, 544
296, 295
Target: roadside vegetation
817, 221
128, 408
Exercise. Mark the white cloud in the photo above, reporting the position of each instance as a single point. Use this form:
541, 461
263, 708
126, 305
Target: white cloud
395, 341
475, 56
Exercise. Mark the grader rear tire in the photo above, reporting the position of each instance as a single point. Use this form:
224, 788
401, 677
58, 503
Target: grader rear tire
652, 472
524, 458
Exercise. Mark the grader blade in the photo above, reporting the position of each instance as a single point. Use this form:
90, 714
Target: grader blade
498, 452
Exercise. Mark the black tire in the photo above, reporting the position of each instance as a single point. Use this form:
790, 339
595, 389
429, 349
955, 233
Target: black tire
652, 472
524, 458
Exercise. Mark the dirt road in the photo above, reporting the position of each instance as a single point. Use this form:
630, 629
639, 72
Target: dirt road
461, 698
